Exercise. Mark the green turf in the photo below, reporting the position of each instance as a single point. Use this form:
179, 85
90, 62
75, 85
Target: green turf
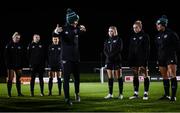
89, 77
92, 100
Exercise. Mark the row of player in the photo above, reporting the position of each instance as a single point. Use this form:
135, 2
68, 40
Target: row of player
64, 58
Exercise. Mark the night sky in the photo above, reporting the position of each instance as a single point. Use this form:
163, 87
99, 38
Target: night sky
37, 18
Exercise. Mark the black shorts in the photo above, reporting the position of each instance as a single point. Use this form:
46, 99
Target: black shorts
14, 67
112, 66
57, 68
164, 63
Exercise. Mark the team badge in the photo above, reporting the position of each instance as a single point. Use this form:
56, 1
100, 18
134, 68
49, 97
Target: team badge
140, 37
165, 36
40, 46
63, 61
19, 47
66, 32
114, 41
76, 36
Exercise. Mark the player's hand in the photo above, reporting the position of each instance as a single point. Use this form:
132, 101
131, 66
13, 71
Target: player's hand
82, 28
58, 29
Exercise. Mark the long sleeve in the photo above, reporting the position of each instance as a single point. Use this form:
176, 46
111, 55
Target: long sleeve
156, 47
176, 42
6, 54
48, 54
23, 59
130, 48
106, 49
28, 53
147, 47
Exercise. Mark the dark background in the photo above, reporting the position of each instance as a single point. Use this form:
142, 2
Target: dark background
36, 17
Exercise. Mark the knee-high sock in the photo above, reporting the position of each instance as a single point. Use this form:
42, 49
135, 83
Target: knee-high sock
174, 86
146, 84
136, 83
166, 86
50, 84
41, 84
59, 85
120, 82
32, 84
76, 81
110, 84
18, 85
9, 87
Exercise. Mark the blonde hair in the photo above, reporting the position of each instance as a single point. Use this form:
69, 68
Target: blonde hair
15, 34
138, 23
115, 30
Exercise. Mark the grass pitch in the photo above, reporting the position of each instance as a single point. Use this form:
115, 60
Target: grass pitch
92, 99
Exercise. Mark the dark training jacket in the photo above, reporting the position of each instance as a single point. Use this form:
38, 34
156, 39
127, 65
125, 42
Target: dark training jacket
112, 50
139, 46
168, 44
54, 55
14, 55
70, 43
36, 55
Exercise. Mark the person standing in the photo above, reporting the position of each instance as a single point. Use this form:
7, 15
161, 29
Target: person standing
70, 52
139, 49
14, 62
112, 49
36, 55
168, 46
54, 63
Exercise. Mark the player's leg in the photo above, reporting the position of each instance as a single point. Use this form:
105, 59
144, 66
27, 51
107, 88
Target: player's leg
32, 82
118, 74
172, 73
18, 81
110, 73
144, 72
59, 75
76, 80
67, 71
10, 77
41, 81
50, 83
135, 82
166, 84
